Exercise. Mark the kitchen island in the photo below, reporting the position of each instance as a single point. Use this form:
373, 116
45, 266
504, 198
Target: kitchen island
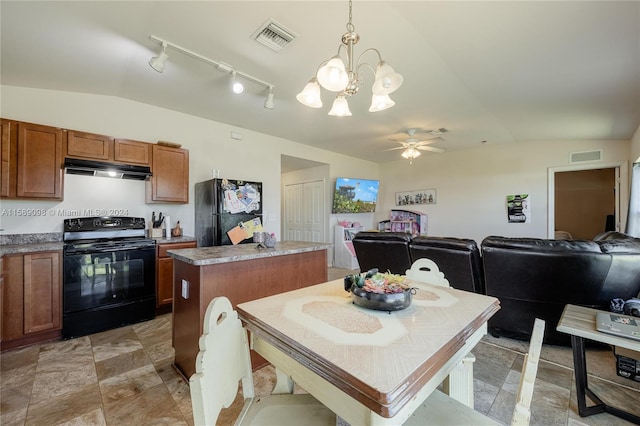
241, 273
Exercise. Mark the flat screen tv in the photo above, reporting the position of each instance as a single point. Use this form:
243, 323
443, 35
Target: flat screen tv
355, 195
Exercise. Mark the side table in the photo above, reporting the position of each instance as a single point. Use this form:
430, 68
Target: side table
580, 323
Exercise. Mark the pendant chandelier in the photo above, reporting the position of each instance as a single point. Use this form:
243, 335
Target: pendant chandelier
334, 76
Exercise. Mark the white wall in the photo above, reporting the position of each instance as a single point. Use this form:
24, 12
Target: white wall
472, 185
256, 157
635, 147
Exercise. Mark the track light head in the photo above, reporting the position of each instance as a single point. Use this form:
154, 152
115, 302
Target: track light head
268, 103
236, 86
158, 62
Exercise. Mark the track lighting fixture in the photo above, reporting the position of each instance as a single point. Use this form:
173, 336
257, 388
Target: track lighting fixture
236, 86
335, 76
158, 64
268, 103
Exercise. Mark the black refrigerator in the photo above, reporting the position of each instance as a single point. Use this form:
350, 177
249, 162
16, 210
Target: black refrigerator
221, 205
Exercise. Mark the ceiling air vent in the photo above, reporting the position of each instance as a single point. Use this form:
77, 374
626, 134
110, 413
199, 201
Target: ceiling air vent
274, 35
580, 157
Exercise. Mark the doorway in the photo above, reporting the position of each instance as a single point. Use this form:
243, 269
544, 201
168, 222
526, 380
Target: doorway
585, 200
305, 215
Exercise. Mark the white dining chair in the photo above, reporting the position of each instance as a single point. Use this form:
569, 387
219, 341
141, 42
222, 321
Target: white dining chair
441, 409
426, 271
224, 361
459, 384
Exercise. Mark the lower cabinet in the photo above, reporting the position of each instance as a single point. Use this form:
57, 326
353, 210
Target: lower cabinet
164, 274
31, 298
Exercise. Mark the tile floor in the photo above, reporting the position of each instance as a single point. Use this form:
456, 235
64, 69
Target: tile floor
125, 377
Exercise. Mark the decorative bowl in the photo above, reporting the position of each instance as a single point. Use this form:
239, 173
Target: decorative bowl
382, 301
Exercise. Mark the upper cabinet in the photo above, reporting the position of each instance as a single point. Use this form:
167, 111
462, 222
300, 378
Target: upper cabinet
31, 165
9, 158
170, 180
32, 161
89, 146
92, 146
132, 152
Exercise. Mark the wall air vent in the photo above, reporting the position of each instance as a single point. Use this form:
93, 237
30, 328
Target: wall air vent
582, 156
274, 35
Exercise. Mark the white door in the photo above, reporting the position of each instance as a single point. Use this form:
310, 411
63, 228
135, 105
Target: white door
314, 211
293, 203
304, 208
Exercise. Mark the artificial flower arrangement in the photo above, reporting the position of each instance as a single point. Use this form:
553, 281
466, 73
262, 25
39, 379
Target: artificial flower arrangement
382, 291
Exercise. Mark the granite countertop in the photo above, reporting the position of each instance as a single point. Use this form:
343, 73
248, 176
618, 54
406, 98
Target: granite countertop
224, 254
30, 243
181, 239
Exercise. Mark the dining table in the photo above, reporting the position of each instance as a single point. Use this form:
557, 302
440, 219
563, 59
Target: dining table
369, 366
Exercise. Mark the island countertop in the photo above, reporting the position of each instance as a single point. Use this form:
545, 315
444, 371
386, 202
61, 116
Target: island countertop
225, 254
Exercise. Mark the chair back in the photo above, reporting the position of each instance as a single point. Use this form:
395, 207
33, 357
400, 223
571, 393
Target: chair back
522, 411
426, 271
223, 361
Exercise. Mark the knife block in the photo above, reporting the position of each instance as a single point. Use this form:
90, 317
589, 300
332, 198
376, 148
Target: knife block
156, 232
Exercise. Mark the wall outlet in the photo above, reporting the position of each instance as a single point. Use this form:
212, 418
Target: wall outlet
185, 289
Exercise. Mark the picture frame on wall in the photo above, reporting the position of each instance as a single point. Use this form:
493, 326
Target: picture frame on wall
417, 197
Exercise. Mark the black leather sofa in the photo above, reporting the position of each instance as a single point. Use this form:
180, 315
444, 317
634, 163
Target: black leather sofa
531, 277
387, 251
458, 258
537, 278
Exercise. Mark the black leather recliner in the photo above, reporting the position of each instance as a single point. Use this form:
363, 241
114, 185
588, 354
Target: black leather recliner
537, 278
458, 258
387, 251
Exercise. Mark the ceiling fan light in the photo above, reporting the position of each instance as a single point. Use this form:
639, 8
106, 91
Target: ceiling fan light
333, 76
410, 153
387, 80
340, 107
310, 95
158, 62
380, 103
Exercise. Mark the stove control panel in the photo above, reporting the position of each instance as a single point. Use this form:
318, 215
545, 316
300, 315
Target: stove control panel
101, 223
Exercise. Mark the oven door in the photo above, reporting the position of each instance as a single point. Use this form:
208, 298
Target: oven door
101, 276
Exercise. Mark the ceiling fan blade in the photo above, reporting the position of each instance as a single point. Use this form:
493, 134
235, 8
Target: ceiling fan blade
432, 140
392, 149
430, 148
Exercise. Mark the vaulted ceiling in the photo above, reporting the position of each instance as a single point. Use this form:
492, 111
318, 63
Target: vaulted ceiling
500, 72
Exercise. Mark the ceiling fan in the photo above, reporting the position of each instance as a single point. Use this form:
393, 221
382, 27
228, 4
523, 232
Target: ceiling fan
412, 146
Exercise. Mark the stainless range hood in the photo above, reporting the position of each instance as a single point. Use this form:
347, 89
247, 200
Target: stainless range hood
76, 166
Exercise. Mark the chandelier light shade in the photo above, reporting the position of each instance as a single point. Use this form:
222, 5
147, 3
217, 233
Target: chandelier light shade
310, 95
340, 107
335, 76
380, 103
387, 80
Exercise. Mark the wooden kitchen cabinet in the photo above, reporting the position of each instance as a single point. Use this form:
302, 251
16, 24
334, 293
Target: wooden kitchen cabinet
8, 158
31, 298
31, 161
170, 180
89, 146
164, 274
132, 152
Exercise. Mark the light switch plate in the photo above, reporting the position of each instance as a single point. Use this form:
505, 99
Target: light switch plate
185, 289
